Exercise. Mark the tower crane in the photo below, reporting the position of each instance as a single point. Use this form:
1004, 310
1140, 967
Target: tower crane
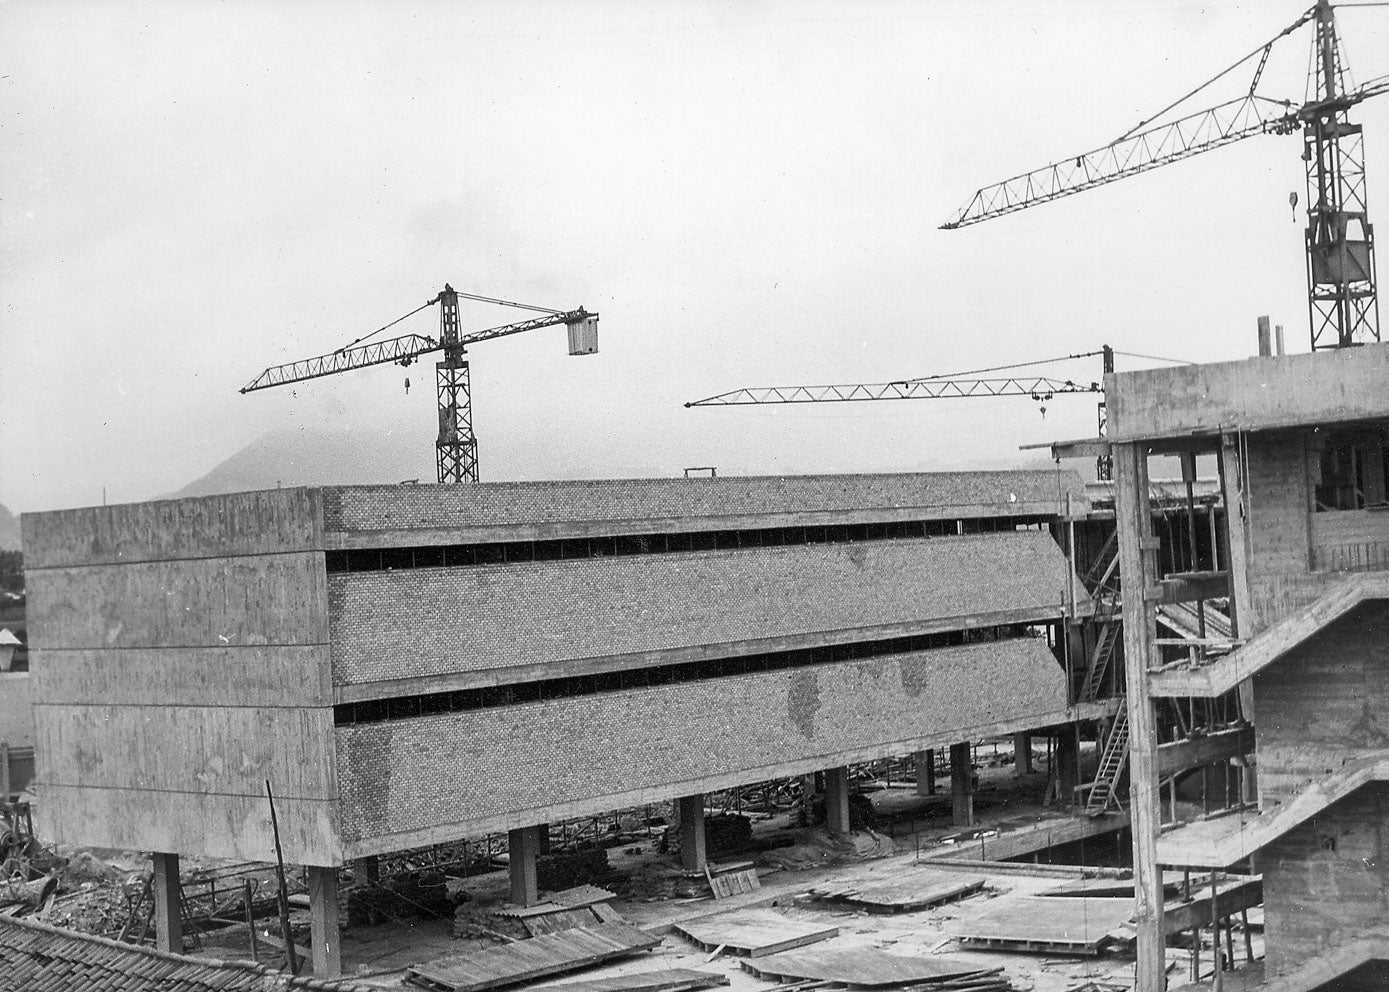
1343, 309
456, 447
945, 386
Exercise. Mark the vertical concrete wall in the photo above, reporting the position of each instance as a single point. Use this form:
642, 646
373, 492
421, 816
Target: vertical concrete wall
16, 710
179, 660
1324, 703
1326, 884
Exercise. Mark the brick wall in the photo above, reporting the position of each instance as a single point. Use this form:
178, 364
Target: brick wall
685, 502
453, 775
432, 621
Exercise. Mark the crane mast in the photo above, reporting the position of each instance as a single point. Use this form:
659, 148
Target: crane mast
1342, 303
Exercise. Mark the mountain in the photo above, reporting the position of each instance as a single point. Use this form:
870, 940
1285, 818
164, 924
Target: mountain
9, 530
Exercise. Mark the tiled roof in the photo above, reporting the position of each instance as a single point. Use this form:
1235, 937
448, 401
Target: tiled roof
500, 504
39, 957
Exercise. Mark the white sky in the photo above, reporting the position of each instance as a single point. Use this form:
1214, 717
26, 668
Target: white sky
749, 194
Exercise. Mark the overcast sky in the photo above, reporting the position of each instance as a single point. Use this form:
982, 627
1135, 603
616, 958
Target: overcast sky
749, 193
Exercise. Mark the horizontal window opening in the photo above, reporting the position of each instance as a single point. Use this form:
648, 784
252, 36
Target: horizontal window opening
499, 553
427, 704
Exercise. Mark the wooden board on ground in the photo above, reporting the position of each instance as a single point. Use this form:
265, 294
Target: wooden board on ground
734, 883
863, 967
672, 980
1045, 925
527, 960
581, 896
753, 933
914, 890
565, 919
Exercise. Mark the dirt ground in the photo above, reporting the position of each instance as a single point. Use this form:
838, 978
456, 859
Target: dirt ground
653, 894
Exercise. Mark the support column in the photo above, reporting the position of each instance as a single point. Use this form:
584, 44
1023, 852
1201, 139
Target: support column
168, 910
1067, 765
961, 785
690, 812
925, 772
837, 800
1137, 552
522, 846
1022, 754
323, 916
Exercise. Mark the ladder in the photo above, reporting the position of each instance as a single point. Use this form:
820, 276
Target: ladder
1100, 659
1112, 762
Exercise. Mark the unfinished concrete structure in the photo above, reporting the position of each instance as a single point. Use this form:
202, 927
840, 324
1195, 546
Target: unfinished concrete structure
409, 665
1301, 442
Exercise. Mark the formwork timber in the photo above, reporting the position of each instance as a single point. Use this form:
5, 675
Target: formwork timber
858, 967
527, 960
753, 933
1050, 925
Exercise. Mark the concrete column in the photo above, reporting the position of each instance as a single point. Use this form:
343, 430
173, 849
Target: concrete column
690, 812
837, 800
323, 916
542, 835
1067, 766
961, 785
1022, 754
925, 772
522, 847
168, 906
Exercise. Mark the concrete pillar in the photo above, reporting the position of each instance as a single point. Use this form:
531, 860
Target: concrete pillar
323, 917
367, 869
690, 812
925, 772
961, 785
1022, 754
542, 835
837, 800
168, 905
522, 847
1067, 766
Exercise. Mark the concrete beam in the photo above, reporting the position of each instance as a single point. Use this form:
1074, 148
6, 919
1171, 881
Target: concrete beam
1219, 746
689, 810
522, 847
323, 916
168, 903
1231, 896
961, 784
837, 800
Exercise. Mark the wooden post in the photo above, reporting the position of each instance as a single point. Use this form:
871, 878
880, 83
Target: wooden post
961, 785
323, 916
1137, 550
1067, 764
925, 772
1022, 754
522, 846
690, 811
168, 905
247, 900
837, 800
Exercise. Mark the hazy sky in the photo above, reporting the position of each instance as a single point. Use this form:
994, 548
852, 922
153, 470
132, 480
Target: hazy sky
749, 193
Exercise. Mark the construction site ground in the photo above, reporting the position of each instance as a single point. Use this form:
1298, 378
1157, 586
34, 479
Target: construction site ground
910, 830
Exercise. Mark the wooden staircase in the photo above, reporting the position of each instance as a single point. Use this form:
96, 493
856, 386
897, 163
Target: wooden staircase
1113, 760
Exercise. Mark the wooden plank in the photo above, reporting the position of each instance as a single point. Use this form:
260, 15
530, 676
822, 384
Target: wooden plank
863, 967
537, 957
1058, 925
565, 919
917, 890
754, 933
672, 980
734, 883
581, 896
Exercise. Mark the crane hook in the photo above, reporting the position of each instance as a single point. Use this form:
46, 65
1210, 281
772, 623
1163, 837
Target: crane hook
407, 385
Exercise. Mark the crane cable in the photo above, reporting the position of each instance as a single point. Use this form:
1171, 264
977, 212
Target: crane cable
1311, 12
373, 334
